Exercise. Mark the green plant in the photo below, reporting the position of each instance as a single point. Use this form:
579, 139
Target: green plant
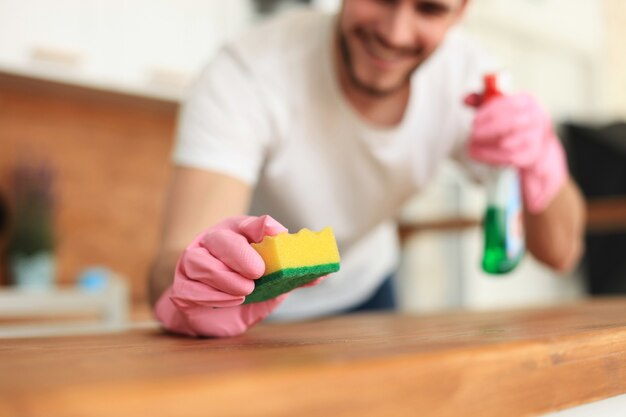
33, 223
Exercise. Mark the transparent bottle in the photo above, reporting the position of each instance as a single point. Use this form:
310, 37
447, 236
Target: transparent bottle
502, 224
503, 227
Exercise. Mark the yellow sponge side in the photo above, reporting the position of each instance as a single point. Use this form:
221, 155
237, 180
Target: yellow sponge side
305, 248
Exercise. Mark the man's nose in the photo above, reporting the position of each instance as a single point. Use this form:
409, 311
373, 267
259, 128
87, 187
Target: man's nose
399, 28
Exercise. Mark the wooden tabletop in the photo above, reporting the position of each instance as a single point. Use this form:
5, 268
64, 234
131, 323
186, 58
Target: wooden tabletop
515, 363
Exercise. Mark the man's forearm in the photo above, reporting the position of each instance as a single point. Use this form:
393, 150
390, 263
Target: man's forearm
555, 236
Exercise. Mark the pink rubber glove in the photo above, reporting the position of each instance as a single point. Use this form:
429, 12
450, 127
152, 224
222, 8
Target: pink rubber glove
514, 130
212, 278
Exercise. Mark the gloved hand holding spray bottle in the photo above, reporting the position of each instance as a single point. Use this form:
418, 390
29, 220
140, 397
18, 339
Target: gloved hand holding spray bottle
503, 229
514, 135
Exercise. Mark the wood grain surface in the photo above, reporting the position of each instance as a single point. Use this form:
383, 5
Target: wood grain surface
515, 363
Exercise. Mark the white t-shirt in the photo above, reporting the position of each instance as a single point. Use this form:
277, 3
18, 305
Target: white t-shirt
268, 110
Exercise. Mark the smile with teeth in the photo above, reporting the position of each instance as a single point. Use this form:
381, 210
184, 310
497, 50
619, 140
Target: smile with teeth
382, 52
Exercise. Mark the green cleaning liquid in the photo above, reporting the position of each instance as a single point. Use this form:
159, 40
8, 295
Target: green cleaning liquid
502, 226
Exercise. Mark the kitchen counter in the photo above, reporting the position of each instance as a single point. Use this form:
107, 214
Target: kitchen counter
513, 363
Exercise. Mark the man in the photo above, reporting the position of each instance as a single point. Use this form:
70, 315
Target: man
337, 120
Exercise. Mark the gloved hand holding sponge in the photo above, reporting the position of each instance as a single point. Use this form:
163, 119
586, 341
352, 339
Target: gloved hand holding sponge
223, 285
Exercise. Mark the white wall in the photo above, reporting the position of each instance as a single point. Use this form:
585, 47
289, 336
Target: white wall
552, 48
614, 59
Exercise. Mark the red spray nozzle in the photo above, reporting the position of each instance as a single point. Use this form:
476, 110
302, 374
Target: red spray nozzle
490, 90
491, 87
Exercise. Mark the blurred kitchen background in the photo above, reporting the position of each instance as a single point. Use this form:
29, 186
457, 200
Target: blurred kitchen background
89, 92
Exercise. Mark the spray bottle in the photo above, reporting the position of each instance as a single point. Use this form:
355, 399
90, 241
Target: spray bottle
503, 222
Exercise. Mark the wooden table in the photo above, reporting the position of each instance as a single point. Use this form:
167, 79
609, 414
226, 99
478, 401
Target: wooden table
515, 363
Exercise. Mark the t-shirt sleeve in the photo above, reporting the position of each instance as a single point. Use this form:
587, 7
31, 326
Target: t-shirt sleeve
225, 124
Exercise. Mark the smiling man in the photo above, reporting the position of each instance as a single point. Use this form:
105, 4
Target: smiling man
383, 42
321, 120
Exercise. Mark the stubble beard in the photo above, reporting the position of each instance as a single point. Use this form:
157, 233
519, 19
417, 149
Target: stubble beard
367, 89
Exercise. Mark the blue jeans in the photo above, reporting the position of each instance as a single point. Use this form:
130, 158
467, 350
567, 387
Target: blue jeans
384, 299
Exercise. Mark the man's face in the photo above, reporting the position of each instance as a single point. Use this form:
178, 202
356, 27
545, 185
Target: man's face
383, 41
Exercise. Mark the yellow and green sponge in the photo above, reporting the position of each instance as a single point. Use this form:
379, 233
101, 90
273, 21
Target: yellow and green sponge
292, 260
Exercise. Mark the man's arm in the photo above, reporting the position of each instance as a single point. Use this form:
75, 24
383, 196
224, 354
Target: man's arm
196, 200
555, 236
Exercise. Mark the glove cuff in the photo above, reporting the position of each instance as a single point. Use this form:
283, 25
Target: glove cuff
542, 180
171, 318
198, 320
